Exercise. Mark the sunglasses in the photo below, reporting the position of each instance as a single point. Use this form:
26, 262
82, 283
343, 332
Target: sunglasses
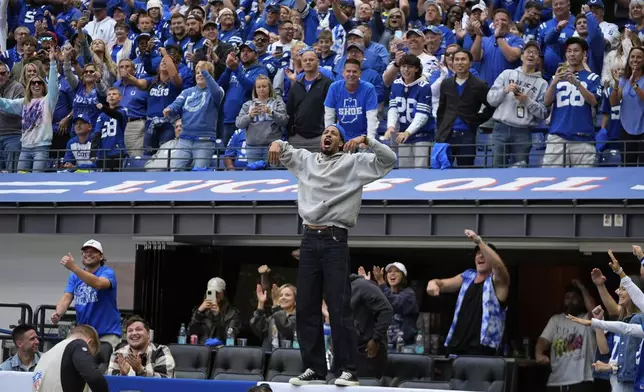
37, 83
260, 39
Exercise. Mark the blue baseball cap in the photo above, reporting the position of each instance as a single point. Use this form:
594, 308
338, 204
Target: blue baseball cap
340, 129
273, 8
348, 3
433, 29
250, 45
596, 3
83, 117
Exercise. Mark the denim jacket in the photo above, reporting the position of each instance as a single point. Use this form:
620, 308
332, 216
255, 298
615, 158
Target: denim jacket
628, 353
493, 319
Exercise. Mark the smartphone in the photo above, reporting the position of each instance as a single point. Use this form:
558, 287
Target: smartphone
400, 47
398, 34
211, 295
279, 50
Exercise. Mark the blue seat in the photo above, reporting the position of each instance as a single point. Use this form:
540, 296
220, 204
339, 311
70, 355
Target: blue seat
135, 163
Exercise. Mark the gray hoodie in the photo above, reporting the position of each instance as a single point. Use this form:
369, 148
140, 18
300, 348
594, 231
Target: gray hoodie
533, 85
329, 188
262, 130
11, 123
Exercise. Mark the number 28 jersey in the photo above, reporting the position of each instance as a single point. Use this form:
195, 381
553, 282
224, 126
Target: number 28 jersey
572, 116
112, 134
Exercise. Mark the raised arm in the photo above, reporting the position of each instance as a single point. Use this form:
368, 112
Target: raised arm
609, 302
631, 288
451, 285
292, 158
52, 84
213, 87
501, 276
96, 282
370, 167
589, 301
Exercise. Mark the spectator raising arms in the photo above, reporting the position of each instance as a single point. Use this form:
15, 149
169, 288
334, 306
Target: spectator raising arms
199, 110
263, 118
279, 324
36, 109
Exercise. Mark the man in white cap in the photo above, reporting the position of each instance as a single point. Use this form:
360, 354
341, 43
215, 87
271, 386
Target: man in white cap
93, 290
215, 315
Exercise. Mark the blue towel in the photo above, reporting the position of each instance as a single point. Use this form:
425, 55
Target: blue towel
441, 156
601, 138
214, 342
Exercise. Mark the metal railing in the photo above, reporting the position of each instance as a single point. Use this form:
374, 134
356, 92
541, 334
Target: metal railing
483, 154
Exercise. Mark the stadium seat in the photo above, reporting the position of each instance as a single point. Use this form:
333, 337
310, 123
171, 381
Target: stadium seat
407, 367
191, 361
284, 363
478, 374
239, 363
103, 357
444, 385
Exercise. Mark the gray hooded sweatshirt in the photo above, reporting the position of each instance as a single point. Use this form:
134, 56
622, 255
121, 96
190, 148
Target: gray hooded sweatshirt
533, 85
329, 188
263, 129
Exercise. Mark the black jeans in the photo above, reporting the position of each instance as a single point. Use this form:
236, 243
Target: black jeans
463, 148
586, 386
324, 269
372, 367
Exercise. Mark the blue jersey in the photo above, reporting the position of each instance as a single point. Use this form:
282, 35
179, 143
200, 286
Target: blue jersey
112, 129
237, 148
85, 103
160, 96
634, 29
96, 307
64, 103
233, 37
134, 100
351, 108
552, 44
410, 100
493, 61
614, 124
572, 116
30, 13
79, 153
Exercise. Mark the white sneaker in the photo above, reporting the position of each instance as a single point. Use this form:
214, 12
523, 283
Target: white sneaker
308, 377
347, 379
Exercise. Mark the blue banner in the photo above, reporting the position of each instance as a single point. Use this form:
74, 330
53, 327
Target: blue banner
404, 184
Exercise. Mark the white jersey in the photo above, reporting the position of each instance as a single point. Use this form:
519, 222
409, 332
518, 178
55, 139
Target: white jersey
611, 34
46, 377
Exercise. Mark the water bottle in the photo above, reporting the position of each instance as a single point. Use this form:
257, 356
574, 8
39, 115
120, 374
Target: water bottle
230, 337
400, 343
183, 334
420, 342
327, 337
296, 342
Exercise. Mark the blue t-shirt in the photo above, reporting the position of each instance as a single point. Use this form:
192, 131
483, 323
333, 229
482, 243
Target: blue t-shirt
160, 96
552, 44
572, 117
614, 124
237, 148
351, 108
459, 124
96, 307
64, 103
632, 114
134, 100
493, 61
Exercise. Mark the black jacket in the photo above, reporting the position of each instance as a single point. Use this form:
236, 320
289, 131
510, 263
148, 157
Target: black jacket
305, 109
466, 105
372, 311
221, 51
209, 325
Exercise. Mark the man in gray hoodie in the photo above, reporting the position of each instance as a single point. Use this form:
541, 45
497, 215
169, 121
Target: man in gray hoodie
518, 96
10, 124
329, 194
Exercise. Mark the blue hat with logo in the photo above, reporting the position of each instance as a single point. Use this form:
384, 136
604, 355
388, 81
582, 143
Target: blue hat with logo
250, 45
340, 129
433, 29
273, 8
83, 117
414, 31
596, 3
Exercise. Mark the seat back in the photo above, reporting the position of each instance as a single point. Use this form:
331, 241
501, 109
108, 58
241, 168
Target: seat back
407, 367
470, 373
241, 360
284, 362
444, 385
103, 356
233, 376
191, 361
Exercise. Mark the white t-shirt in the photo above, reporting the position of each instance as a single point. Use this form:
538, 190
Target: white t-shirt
572, 350
611, 34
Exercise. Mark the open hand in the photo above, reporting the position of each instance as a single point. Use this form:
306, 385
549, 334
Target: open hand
578, 320
378, 274
598, 278
261, 295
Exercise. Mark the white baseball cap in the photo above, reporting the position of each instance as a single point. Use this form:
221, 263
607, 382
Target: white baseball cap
154, 4
93, 244
398, 265
218, 285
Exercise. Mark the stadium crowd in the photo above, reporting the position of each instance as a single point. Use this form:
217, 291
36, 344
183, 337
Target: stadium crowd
85, 85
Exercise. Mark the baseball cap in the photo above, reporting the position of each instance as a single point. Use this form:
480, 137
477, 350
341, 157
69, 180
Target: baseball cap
489, 244
340, 129
217, 285
173, 46
209, 23
250, 45
262, 31
596, 3
360, 47
398, 265
479, 7
531, 43
414, 31
349, 3
85, 118
195, 17
225, 11
432, 29
100, 5
154, 4
273, 8
356, 32
93, 244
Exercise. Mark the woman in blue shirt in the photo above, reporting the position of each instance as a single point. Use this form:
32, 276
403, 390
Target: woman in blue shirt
86, 86
629, 90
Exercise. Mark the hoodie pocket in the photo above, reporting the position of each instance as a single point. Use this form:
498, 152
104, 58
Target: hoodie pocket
315, 212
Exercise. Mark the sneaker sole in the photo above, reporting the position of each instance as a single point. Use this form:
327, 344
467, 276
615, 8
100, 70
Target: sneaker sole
346, 383
300, 383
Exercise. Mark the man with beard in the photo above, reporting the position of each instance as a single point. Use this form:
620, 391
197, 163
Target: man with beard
261, 39
94, 290
479, 317
197, 41
569, 347
238, 81
214, 50
179, 32
329, 195
141, 357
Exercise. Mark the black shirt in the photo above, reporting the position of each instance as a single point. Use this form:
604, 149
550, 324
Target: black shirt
78, 368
